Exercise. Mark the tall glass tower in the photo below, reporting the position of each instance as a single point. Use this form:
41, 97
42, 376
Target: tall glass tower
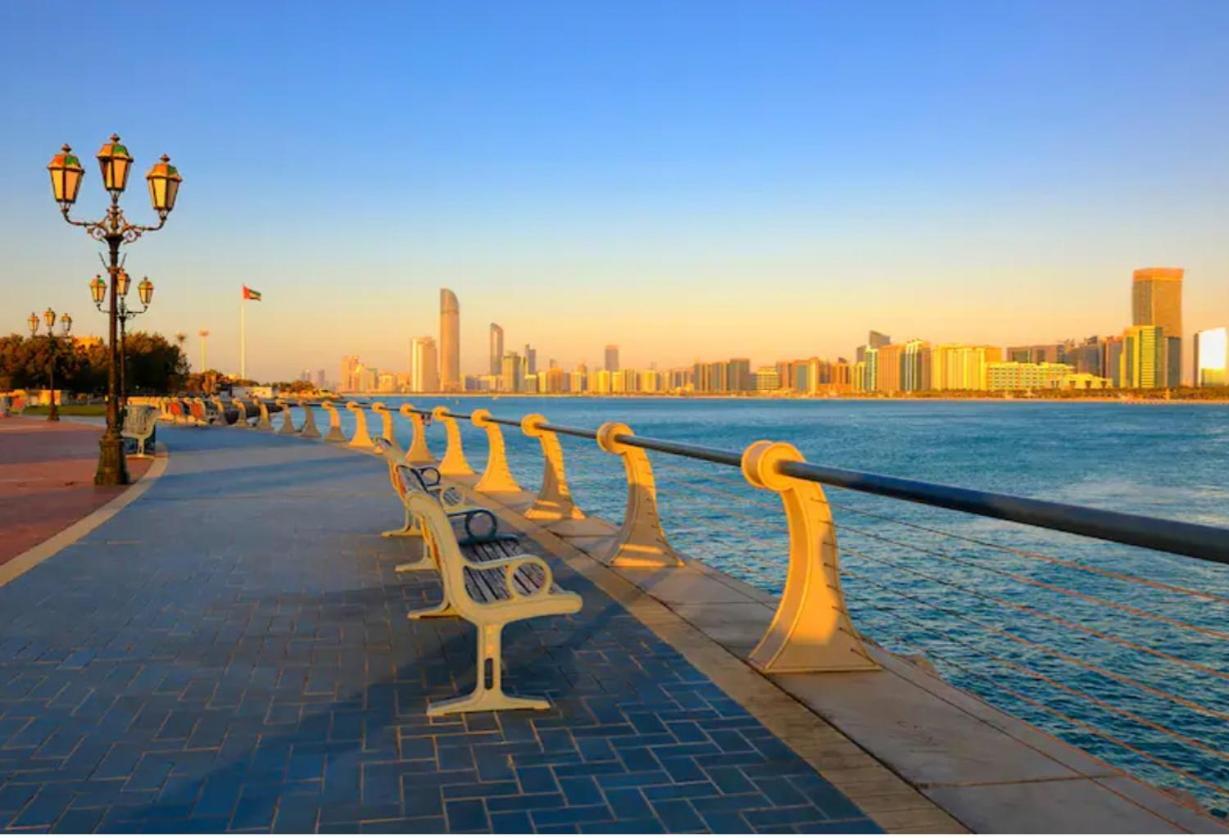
450, 342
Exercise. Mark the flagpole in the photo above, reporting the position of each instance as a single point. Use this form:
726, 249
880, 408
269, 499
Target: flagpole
243, 337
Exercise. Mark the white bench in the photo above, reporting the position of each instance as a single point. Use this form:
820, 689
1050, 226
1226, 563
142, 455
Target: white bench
425, 478
489, 595
139, 425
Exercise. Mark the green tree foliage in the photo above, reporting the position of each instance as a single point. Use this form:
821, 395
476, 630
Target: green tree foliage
155, 365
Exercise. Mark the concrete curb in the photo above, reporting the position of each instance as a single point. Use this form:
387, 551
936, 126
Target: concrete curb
39, 553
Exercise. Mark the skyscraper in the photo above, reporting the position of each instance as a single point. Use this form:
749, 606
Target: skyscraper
496, 348
1145, 362
424, 366
450, 342
1156, 300
531, 360
1212, 357
612, 356
348, 382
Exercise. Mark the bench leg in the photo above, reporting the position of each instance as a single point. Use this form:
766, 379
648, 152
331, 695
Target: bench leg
407, 529
427, 562
441, 609
488, 692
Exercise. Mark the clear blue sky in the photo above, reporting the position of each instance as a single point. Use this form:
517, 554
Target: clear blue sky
685, 179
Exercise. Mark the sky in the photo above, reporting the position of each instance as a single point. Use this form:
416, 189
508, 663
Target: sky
689, 180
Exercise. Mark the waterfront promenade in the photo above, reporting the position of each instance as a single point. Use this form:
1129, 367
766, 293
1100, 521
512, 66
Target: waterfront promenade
230, 652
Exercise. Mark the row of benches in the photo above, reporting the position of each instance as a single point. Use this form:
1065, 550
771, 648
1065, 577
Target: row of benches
487, 579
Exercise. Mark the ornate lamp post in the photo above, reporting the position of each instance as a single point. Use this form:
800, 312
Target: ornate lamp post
66, 325
145, 291
114, 229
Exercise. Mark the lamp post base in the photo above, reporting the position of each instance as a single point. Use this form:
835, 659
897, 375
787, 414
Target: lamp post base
112, 465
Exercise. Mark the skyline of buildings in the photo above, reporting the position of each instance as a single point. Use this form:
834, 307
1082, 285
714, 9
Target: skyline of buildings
1148, 354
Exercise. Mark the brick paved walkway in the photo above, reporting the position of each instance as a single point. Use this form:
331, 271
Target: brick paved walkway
230, 652
47, 479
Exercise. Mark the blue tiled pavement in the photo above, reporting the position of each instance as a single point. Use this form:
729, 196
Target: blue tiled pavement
231, 652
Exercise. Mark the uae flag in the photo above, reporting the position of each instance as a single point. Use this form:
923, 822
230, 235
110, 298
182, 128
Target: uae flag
249, 294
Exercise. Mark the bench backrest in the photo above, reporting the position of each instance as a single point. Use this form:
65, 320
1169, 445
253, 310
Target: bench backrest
140, 420
442, 544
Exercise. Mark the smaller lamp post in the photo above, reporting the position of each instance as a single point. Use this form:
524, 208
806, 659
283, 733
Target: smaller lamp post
66, 325
145, 291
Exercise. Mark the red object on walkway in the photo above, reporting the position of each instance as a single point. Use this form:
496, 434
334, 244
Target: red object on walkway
47, 480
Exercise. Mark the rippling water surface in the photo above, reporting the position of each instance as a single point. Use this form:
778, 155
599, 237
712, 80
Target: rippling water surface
1118, 650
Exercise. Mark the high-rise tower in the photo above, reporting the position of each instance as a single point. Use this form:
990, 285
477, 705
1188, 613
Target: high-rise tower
450, 342
497, 348
612, 357
424, 373
1156, 300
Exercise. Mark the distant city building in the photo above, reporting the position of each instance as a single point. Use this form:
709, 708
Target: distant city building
348, 380
1156, 300
1212, 358
510, 373
578, 379
915, 367
1042, 353
957, 366
424, 366
450, 342
874, 340
1145, 357
888, 375
1084, 381
496, 348
1111, 360
767, 379
531, 360
612, 357
1017, 375
320, 383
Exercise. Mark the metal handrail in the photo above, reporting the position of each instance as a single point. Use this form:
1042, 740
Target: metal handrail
1199, 541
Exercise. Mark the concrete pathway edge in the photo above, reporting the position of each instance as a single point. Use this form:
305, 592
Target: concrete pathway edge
73, 533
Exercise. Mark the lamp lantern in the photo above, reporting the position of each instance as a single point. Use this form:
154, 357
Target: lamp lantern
163, 180
49, 319
32, 322
146, 291
66, 322
115, 162
98, 289
121, 282
66, 174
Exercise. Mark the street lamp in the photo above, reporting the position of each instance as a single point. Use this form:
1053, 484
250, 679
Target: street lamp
66, 325
145, 291
163, 181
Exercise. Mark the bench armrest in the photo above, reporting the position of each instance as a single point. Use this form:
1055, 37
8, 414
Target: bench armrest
511, 565
470, 516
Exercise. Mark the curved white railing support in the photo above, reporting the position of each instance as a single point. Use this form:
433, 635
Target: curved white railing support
287, 422
308, 431
242, 421
811, 631
419, 452
454, 463
220, 407
334, 434
386, 422
496, 477
554, 502
361, 439
640, 542
263, 423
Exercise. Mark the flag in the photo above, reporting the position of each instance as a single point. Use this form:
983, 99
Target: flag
249, 294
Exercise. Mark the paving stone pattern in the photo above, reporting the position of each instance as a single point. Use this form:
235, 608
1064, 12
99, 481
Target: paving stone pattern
230, 653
